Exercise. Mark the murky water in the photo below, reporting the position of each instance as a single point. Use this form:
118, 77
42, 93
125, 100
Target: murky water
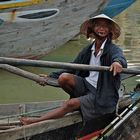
129, 40
16, 89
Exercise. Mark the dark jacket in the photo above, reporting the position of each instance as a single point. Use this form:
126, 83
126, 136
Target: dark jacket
108, 85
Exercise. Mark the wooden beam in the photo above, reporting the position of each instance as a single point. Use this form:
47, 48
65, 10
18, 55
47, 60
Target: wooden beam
29, 75
60, 65
5, 127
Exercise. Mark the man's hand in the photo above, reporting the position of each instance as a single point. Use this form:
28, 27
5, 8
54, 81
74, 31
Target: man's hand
43, 83
116, 67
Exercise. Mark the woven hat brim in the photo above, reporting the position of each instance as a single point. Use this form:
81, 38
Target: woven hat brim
116, 31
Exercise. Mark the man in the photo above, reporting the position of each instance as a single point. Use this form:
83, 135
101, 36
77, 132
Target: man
94, 93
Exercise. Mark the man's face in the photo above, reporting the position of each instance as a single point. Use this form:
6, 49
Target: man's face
101, 28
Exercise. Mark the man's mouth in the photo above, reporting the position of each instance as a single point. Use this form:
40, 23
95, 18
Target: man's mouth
101, 33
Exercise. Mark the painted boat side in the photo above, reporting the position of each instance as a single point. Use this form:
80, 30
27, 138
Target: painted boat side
38, 37
17, 3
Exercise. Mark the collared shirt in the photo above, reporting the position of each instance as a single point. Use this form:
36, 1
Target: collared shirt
95, 60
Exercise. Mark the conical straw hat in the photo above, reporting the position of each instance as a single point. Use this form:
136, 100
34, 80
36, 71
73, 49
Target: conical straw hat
88, 24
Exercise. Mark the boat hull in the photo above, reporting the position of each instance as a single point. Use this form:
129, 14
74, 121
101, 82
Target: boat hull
129, 129
65, 128
35, 30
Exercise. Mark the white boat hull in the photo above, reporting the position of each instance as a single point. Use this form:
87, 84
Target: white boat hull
24, 33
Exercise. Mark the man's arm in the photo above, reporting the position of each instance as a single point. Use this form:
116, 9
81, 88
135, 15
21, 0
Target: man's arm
118, 60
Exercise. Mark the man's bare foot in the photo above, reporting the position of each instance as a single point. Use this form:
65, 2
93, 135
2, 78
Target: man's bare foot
26, 120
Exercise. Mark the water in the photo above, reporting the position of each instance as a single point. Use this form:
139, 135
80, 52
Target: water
14, 89
129, 40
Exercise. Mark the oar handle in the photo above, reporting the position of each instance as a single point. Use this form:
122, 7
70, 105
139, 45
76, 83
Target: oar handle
60, 65
29, 75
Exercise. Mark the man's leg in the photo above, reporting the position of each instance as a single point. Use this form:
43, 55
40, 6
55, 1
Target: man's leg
67, 107
67, 83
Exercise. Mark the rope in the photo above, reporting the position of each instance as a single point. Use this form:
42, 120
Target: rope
28, 113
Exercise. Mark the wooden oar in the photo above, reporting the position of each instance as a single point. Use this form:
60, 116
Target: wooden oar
60, 65
29, 75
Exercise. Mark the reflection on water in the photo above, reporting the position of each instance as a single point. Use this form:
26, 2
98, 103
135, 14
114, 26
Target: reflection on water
129, 22
16, 89
129, 40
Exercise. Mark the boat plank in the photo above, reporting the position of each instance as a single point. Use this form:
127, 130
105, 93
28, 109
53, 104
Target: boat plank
129, 129
40, 127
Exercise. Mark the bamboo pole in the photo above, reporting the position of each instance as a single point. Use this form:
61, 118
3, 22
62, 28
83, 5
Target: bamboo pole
60, 65
29, 75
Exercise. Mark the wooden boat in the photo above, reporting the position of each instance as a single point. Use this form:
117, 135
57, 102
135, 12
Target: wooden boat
129, 128
66, 128
32, 28
113, 8
124, 127
11, 129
